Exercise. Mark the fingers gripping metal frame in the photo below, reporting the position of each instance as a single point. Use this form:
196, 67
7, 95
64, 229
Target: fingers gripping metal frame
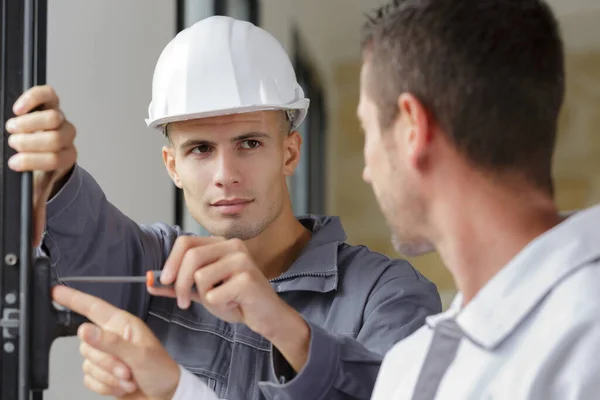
28, 321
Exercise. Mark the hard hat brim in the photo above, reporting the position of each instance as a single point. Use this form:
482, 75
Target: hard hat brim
301, 106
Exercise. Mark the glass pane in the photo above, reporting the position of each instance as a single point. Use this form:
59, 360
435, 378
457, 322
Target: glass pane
239, 9
195, 10
299, 180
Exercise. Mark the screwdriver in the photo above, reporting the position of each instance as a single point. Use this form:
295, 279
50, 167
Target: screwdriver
152, 279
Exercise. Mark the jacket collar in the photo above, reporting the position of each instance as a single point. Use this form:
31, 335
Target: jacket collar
316, 269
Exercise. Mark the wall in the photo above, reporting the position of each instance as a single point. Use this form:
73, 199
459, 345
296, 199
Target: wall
101, 55
276, 17
577, 159
279, 17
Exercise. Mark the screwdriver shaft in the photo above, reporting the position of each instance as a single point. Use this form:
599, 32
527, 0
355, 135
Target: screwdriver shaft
112, 279
151, 279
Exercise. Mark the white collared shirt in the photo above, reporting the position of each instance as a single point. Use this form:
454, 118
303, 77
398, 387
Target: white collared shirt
533, 332
192, 388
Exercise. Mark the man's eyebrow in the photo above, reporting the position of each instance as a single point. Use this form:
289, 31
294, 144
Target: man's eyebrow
196, 143
251, 135
202, 142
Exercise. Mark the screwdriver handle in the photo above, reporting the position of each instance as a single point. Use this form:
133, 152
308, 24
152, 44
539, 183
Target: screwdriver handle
153, 280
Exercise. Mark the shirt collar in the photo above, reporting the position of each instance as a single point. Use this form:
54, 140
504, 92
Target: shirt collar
316, 269
524, 282
450, 313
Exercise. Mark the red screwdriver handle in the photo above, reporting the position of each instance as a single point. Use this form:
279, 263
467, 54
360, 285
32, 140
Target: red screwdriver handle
153, 280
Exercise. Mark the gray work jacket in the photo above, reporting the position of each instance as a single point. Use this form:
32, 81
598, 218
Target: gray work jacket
358, 303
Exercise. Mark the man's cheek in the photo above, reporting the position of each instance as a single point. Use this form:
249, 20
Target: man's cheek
375, 158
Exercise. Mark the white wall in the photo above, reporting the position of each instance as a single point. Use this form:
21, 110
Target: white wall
101, 55
276, 18
315, 26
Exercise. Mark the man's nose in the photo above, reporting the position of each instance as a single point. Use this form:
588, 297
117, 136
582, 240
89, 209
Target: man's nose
228, 171
366, 175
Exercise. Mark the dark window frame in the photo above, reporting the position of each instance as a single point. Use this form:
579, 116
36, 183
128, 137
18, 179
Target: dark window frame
316, 121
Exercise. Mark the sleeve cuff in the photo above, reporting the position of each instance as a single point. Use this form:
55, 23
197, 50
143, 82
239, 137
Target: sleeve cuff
192, 388
315, 379
65, 196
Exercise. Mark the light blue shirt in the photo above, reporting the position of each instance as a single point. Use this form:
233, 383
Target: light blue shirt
533, 332
192, 388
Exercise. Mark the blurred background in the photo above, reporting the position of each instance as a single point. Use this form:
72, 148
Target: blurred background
101, 56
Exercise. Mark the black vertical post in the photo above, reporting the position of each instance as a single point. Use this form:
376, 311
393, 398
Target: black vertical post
179, 200
220, 7
254, 7
28, 80
11, 70
22, 65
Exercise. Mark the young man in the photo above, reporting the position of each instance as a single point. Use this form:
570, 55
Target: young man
459, 104
276, 297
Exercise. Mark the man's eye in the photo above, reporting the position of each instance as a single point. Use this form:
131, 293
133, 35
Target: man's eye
203, 148
250, 144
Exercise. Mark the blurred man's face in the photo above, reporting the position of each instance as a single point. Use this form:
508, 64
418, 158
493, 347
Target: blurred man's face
386, 170
233, 170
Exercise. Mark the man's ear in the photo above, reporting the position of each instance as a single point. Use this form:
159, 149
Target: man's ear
414, 133
291, 152
168, 153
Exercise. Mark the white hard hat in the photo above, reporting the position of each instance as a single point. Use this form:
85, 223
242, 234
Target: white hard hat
221, 66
